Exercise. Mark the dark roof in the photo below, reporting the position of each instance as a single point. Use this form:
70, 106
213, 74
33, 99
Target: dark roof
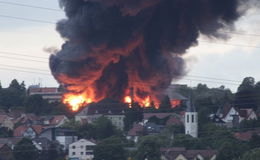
190, 106
105, 106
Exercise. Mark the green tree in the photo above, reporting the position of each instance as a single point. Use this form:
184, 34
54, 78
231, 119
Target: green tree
104, 128
231, 150
25, 150
36, 104
251, 155
254, 142
148, 147
72, 124
110, 149
246, 94
134, 114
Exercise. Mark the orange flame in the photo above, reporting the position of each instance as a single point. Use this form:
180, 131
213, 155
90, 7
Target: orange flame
128, 100
75, 101
143, 102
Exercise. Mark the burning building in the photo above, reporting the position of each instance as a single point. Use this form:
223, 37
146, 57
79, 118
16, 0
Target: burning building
112, 46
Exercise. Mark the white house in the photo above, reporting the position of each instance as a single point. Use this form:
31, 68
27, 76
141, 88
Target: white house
81, 150
229, 114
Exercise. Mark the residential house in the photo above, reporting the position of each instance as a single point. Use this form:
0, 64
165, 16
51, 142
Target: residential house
64, 136
6, 152
81, 150
111, 109
55, 120
135, 132
28, 131
232, 116
28, 119
52, 94
247, 114
6, 121
180, 153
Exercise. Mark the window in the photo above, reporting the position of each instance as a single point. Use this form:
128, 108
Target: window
73, 153
73, 147
81, 147
187, 118
192, 118
81, 153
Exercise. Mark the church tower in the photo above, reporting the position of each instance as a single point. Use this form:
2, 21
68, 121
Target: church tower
191, 120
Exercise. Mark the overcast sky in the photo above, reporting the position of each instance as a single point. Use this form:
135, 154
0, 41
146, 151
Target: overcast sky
220, 61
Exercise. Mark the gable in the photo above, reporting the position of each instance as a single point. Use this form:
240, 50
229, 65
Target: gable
180, 157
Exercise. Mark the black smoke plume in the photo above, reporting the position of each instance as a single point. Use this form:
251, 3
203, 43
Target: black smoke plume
112, 45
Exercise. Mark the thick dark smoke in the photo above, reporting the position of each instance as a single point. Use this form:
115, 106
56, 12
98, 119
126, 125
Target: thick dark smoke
111, 45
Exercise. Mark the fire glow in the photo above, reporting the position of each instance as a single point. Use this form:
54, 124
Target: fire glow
75, 101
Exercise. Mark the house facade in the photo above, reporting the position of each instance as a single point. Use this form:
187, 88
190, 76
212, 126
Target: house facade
52, 94
64, 136
81, 150
6, 121
111, 109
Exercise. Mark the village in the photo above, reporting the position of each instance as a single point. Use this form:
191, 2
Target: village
177, 122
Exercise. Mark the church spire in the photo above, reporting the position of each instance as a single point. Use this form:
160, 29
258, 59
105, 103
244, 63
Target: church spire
190, 105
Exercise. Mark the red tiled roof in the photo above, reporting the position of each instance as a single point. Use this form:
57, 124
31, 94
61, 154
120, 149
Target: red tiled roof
246, 136
226, 109
243, 113
37, 128
204, 153
57, 119
174, 120
136, 130
18, 132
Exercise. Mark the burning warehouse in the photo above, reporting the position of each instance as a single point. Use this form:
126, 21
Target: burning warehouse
112, 46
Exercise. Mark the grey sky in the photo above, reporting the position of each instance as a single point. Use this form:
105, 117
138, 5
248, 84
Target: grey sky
209, 59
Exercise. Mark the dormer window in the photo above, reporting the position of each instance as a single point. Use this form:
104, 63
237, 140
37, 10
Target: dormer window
96, 111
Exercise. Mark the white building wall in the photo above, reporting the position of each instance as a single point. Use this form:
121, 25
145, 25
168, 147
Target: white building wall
229, 116
82, 149
191, 124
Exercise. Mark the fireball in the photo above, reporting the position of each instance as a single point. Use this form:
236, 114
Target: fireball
75, 101
128, 100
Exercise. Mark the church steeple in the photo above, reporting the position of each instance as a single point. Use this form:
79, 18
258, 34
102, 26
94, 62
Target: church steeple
191, 119
190, 106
